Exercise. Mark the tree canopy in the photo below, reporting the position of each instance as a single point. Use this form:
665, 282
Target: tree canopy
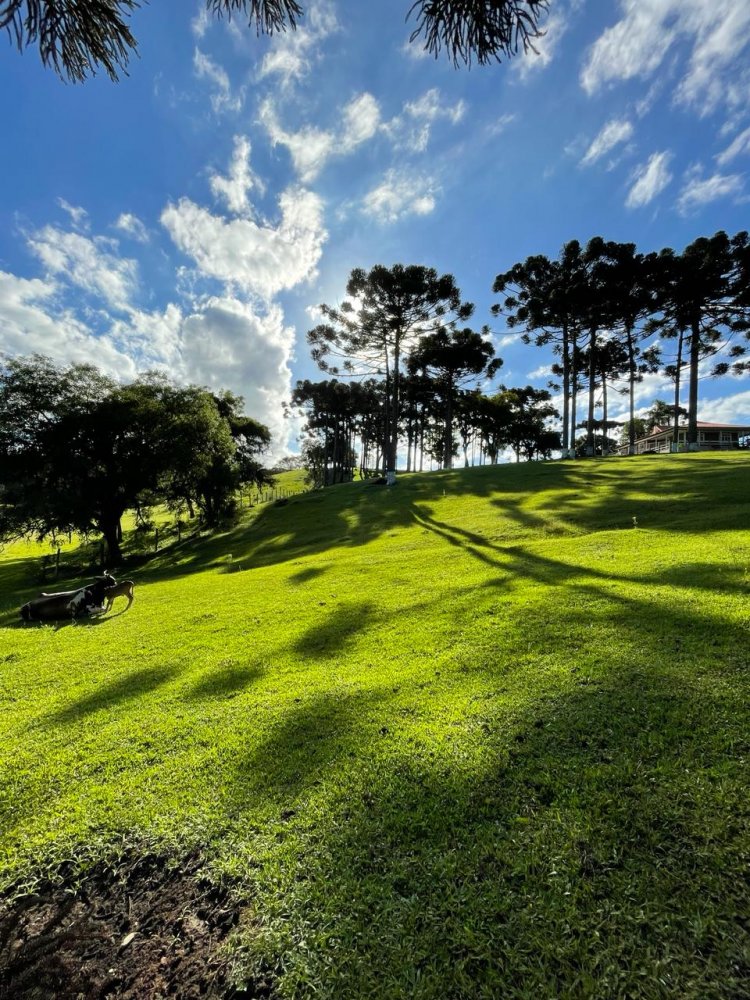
78, 37
78, 450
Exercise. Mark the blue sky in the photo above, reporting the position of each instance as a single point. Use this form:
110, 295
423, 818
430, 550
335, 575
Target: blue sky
190, 217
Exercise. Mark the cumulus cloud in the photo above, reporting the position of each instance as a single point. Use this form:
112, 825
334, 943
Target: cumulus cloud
235, 188
400, 195
227, 343
649, 180
699, 190
293, 53
612, 134
132, 226
717, 31
222, 98
411, 129
34, 322
261, 259
310, 148
733, 409
88, 263
360, 120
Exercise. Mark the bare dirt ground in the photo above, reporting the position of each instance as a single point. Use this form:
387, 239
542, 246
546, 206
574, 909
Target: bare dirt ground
140, 929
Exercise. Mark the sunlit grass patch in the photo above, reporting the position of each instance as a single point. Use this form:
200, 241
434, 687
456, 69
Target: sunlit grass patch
479, 735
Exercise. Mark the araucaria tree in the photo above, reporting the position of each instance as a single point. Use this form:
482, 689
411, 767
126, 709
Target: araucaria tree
387, 312
698, 302
77, 450
448, 358
546, 299
77, 37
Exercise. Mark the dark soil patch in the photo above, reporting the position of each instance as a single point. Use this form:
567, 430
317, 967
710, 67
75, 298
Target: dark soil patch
140, 928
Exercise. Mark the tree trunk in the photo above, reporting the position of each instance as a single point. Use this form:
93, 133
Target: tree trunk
573, 394
590, 446
605, 446
448, 446
566, 389
676, 434
108, 527
631, 389
695, 348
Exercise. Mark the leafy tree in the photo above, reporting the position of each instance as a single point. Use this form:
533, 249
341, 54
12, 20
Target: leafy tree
660, 414
371, 333
77, 37
696, 302
526, 431
545, 297
631, 294
77, 451
332, 411
449, 358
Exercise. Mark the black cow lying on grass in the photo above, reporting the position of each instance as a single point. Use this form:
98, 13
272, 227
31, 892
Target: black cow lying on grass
69, 603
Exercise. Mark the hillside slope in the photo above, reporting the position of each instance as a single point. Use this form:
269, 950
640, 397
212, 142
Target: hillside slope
483, 734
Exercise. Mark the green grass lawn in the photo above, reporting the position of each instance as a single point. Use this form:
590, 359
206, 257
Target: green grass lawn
485, 734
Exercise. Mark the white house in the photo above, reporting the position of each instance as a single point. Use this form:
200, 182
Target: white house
711, 437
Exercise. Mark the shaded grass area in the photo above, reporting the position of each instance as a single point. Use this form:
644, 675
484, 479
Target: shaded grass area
477, 736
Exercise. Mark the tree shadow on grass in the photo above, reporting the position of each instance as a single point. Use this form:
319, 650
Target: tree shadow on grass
305, 575
312, 737
337, 631
581, 844
226, 680
133, 685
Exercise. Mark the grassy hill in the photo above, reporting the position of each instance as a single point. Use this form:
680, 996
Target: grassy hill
484, 734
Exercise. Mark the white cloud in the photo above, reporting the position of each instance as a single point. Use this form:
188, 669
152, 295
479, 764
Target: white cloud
543, 371
400, 195
201, 22
310, 148
33, 322
293, 53
235, 188
611, 135
700, 190
738, 146
412, 128
78, 216
545, 47
636, 45
87, 263
649, 180
259, 258
228, 344
501, 124
132, 226
415, 50
360, 121
733, 409
222, 98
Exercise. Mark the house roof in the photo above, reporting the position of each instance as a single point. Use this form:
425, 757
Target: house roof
702, 425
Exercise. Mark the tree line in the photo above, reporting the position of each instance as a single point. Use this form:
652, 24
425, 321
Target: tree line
411, 378
77, 450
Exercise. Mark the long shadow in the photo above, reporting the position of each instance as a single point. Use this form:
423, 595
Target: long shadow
305, 575
597, 826
133, 685
312, 738
660, 494
337, 631
226, 680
